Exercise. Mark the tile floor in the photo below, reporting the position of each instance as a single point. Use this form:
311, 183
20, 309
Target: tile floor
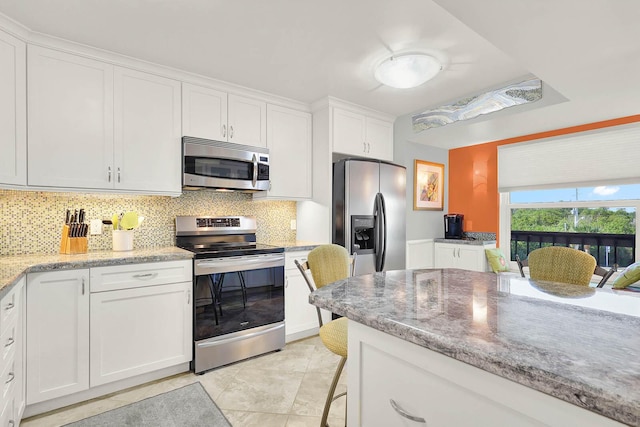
280, 389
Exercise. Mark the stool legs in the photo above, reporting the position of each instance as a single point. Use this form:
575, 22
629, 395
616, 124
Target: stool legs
332, 390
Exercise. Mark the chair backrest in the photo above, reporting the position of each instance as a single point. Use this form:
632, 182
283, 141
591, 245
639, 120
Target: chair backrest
561, 264
328, 264
599, 271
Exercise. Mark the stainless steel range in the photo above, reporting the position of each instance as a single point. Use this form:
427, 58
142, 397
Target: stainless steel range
238, 290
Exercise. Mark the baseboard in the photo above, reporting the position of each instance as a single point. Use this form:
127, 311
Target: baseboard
94, 392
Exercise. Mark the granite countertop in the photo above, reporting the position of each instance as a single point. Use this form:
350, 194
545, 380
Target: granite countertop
13, 268
475, 242
581, 345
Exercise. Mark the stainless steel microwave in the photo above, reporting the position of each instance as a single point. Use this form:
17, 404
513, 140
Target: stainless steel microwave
223, 165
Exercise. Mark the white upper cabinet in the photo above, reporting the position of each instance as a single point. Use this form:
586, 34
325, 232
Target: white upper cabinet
247, 121
13, 111
70, 104
95, 126
290, 162
378, 134
361, 135
147, 132
212, 114
204, 112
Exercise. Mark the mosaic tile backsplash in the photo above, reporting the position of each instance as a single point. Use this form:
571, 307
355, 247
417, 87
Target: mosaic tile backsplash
31, 221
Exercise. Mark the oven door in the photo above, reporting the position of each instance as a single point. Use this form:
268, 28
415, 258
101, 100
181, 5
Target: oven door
237, 293
216, 164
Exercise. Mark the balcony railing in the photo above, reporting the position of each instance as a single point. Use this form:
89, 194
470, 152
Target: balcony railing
608, 249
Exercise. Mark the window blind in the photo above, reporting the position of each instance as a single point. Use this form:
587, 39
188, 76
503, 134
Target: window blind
587, 159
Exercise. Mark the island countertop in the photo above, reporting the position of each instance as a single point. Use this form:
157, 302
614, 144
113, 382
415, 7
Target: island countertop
578, 344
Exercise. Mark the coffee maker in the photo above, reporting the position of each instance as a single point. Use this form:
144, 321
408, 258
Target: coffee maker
453, 226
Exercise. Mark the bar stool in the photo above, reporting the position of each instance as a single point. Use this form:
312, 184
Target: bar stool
330, 263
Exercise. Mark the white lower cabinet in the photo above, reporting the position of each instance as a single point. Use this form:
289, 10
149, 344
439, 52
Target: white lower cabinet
141, 319
134, 331
90, 327
392, 382
466, 257
300, 317
12, 397
57, 334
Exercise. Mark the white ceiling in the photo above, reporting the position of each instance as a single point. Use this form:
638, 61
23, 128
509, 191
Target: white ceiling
587, 53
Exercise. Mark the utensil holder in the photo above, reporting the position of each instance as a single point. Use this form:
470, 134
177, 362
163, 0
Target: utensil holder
72, 245
122, 240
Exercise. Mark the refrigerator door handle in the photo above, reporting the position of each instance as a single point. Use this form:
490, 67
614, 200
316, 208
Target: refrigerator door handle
381, 231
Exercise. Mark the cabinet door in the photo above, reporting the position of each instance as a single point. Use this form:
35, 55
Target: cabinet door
147, 132
70, 127
446, 255
299, 315
57, 334
471, 258
13, 110
204, 112
379, 138
247, 121
135, 331
348, 133
289, 143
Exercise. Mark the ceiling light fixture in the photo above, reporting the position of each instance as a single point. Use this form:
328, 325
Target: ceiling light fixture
407, 70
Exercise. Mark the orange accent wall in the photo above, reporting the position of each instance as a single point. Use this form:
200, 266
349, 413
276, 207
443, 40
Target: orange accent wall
473, 175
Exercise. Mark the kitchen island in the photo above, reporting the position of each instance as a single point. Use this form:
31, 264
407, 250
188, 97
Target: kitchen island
469, 348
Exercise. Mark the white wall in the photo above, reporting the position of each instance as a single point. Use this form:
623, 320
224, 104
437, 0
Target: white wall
420, 224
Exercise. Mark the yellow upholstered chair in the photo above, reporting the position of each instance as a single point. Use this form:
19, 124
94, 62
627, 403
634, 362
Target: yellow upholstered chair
561, 264
328, 264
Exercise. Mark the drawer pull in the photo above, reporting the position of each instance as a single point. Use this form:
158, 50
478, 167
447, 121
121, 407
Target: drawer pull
10, 342
145, 276
11, 377
9, 306
400, 411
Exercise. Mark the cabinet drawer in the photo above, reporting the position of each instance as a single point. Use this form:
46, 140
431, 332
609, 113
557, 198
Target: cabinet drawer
140, 275
388, 382
289, 257
8, 341
8, 379
9, 307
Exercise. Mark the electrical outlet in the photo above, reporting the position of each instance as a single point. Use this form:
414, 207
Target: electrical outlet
96, 226
293, 224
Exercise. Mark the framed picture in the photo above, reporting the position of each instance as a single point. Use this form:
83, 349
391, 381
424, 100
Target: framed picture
428, 186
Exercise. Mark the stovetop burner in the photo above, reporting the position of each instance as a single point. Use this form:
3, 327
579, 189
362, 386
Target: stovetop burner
212, 237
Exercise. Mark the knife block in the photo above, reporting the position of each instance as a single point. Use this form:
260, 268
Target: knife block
72, 245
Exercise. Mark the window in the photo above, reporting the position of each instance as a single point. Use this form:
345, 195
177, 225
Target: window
600, 220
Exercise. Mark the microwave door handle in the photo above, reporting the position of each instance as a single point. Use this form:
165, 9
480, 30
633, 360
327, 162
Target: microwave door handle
254, 181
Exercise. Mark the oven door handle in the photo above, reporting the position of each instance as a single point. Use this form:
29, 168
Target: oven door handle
232, 264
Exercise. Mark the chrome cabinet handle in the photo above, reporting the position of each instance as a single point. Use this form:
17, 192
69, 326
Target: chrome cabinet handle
224, 131
109, 174
11, 377
10, 342
9, 306
404, 414
364, 144
230, 131
145, 276
118, 174
83, 286
189, 297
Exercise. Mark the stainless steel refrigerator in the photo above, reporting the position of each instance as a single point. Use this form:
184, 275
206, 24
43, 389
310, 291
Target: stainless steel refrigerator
369, 213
